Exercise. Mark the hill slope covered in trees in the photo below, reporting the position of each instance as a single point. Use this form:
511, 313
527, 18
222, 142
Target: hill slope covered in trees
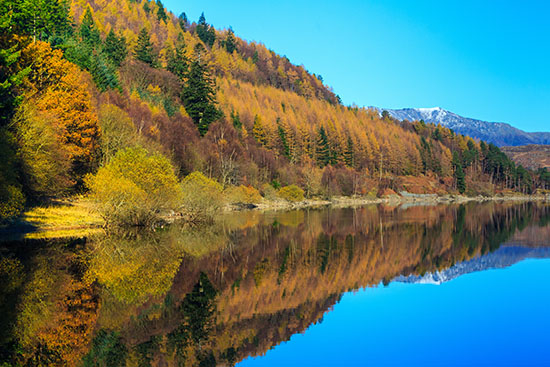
84, 81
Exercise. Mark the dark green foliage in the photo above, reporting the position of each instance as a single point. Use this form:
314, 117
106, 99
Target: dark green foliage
107, 350
11, 75
284, 141
199, 310
182, 21
230, 42
323, 149
103, 73
88, 31
235, 118
147, 7
144, 50
206, 32
459, 173
199, 97
146, 351
101, 60
37, 18
255, 57
12, 199
177, 61
115, 48
161, 12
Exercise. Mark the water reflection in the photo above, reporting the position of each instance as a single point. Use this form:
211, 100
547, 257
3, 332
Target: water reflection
213, 296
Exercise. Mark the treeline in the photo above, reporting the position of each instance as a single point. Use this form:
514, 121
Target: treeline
81, 81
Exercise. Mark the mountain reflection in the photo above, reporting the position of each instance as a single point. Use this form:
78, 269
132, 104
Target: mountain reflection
213, 296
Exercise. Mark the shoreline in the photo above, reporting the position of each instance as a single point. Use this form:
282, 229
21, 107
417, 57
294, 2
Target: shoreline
395, 200
74, 219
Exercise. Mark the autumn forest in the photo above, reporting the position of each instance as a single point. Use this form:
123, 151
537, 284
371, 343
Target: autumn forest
127, 96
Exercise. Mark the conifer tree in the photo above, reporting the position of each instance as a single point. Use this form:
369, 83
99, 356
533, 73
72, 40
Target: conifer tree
206, 33
459, 173
89, 33
235, 118
115, 48
144, 49
183, 22
230, 42
177, 61
323, 150
161, 13
103, 73
199, 97
284, 141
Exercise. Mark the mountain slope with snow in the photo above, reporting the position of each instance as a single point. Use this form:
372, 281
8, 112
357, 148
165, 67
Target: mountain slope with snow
504, 257
498, 133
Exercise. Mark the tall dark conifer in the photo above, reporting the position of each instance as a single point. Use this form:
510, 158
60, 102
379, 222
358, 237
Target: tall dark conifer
323, 149
115, 48
199, 97
144, 49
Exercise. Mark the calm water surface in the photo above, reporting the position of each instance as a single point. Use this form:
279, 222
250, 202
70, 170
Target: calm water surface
373, 286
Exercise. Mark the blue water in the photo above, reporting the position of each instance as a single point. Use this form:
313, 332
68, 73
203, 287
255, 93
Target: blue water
491, 318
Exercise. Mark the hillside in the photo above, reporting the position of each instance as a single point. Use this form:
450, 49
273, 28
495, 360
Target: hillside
498, 133
530, 156
99, 90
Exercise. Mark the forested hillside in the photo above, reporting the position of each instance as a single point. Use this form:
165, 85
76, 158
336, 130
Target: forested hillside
126, 95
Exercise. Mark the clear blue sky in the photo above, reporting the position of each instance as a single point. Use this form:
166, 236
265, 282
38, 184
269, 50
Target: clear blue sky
483, 59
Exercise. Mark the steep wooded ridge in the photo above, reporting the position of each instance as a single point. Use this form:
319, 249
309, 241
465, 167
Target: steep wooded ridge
101, 86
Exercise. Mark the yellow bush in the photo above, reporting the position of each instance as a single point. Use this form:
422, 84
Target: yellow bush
291, 193
243, 194
201, 197
134, 187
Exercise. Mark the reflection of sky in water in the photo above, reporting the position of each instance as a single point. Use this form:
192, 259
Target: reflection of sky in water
490, 318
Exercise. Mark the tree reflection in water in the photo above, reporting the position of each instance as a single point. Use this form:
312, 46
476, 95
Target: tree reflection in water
215, 295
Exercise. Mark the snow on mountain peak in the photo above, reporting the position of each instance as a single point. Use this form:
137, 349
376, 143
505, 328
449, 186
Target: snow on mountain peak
498, 133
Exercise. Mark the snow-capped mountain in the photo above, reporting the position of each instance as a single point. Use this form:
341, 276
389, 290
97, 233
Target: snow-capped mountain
498, 133
504, 257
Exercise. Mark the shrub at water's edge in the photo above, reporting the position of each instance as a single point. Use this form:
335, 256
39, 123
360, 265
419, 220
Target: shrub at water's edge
134, 188
291, 193
201, 197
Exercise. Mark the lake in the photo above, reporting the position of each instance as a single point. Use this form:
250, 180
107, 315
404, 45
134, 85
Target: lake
443, 285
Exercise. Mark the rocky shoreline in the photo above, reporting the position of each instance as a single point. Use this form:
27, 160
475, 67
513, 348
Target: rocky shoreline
394, 200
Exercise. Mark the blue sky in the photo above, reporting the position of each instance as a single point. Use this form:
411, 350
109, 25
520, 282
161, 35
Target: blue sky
482, 59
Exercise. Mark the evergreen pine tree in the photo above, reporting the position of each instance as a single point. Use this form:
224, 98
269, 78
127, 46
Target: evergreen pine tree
284, 141
459, 173
115, 48
89, 33
199, 97
161, 13
322, 149
177, 62
236, 119
230, 41
103, 73
206, 33
183, 22
144, 49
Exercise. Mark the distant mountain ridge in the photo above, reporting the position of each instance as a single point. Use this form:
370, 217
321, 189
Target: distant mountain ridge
498, 133
502, 258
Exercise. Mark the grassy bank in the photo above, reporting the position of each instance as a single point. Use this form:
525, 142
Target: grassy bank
60, 219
